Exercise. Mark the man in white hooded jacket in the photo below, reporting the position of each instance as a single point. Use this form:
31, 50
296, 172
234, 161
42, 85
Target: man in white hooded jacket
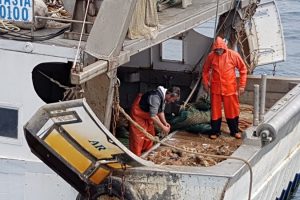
147, 109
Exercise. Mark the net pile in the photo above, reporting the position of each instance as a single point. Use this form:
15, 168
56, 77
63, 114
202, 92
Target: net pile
144, 20
195, 118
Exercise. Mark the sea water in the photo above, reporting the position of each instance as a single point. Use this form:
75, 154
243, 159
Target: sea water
290, 14
290, 17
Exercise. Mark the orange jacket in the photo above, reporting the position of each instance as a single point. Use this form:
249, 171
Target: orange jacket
222, 68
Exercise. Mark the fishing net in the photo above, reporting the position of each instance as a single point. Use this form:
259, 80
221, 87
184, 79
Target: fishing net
144, 20
151, 18
195, 118
123, 136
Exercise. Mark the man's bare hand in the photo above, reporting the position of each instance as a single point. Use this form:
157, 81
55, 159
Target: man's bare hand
166, 129
168, 125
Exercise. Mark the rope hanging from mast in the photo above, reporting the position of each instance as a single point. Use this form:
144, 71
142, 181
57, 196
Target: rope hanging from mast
81, 34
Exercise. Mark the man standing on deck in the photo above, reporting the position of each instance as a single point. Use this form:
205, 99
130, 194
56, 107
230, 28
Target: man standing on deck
147, 109
219, 80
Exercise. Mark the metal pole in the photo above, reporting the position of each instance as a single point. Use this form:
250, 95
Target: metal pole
262, 97
256, 105
32, 22
62, 20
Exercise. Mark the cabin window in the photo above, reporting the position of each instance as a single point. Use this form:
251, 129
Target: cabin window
9, 122
172, 50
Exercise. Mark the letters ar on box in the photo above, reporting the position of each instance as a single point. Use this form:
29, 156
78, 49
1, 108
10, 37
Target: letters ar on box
16, 10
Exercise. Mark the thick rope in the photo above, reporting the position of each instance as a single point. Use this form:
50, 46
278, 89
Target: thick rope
156, 139
55, 81
7, 26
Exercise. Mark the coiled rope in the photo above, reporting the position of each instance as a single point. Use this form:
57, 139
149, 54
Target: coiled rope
7, 26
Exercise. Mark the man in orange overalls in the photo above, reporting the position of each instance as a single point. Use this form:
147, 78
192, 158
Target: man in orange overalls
146, 110
219, 79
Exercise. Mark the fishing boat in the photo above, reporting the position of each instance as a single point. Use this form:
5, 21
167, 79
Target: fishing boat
73, 60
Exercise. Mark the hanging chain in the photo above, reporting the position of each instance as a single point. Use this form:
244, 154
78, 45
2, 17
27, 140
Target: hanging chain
109, 186
123, 181
116, 104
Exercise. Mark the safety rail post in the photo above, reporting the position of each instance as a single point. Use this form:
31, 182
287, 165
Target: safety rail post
262, 97
256, 105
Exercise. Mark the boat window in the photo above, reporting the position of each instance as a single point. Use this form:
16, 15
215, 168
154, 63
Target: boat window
172, 50
9, 122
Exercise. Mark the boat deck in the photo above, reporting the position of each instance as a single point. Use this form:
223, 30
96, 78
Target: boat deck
200, 143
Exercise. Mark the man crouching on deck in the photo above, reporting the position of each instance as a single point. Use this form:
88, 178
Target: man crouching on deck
147, 109
219, 80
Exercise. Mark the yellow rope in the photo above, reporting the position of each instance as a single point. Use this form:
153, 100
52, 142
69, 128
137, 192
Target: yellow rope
156, 139
7, 26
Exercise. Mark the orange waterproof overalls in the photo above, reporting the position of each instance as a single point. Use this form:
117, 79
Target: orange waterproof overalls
219, 75
138, 142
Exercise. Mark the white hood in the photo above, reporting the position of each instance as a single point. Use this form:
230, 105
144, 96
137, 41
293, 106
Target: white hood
162, 90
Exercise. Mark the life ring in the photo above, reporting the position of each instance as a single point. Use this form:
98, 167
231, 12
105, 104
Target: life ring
103, 190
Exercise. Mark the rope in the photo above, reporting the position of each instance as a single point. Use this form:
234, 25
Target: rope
55, 81
70, 92
80, 38
156, 139
116, 112
7, 26
217, 11
191, 93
